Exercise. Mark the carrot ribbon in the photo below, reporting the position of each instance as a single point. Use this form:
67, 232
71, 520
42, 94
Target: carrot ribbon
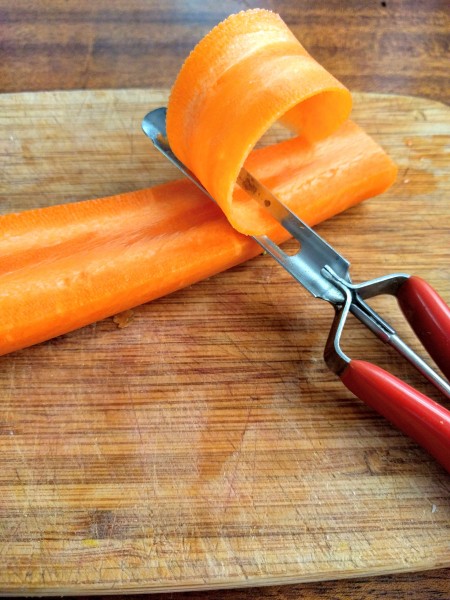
246, 74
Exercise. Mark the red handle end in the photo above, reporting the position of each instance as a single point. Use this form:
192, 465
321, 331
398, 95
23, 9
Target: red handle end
424, 420
429, 316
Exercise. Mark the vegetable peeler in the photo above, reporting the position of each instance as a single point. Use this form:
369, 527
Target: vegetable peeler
325, 274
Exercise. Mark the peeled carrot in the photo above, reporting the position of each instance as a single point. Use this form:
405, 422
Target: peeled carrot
66, 266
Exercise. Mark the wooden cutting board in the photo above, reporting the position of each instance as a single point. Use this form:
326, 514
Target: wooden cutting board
200, 441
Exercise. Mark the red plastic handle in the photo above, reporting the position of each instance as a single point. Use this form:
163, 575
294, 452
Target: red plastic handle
424, 420
429, 316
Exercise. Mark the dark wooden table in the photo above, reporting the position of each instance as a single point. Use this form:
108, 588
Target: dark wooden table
398, 46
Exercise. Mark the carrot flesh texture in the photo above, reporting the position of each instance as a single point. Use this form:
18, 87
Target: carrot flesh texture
246, 74
64, 267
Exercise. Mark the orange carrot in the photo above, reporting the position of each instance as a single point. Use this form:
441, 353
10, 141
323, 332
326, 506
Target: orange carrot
247, 73
66, 266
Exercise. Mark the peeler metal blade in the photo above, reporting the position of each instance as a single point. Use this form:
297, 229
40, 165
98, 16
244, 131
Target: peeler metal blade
311, 264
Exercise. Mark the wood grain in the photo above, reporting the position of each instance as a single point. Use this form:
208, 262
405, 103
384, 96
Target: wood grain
206, 444
433, 585
393, 46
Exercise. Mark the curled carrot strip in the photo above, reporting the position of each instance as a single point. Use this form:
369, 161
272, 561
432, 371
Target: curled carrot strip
246, 74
